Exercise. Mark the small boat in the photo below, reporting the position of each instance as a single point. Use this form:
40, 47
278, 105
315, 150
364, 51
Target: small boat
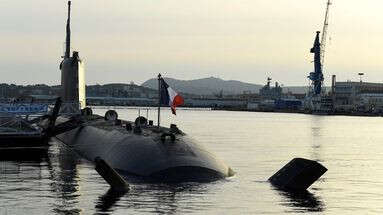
18, 126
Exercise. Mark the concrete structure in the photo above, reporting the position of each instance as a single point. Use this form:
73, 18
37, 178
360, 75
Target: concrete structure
121, 101
370, 102
253, 105
215, 103
288, 104
189, 102
358, 96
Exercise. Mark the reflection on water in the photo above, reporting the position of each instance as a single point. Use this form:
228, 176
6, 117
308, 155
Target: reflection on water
64, 179
58, 167
303, 201
22, 155
108, 200
55, 181
20, 162
316, 132
27, 169
153, 198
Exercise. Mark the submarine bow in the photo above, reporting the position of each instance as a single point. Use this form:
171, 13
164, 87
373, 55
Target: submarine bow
147, 155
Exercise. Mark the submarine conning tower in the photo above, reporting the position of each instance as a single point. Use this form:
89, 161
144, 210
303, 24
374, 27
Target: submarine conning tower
72, 76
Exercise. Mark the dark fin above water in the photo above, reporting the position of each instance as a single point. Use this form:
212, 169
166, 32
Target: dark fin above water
116, 182
298, 175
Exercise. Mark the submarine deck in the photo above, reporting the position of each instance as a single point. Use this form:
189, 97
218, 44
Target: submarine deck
144, 150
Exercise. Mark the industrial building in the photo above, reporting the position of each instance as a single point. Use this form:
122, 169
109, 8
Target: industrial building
358, 96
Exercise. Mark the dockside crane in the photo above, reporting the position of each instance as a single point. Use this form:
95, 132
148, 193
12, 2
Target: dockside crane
318, 50
324, 32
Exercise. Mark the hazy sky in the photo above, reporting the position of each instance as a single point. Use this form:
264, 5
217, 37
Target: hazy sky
134, 40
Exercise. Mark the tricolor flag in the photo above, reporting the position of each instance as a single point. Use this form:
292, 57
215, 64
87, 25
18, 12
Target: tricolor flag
169, 96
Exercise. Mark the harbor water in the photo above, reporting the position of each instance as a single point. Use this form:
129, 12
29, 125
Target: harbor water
56, 181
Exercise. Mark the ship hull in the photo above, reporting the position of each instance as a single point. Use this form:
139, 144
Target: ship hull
146, 156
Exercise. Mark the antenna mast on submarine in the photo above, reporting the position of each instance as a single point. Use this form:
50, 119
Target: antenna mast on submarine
324, 33
72, 76
67, 41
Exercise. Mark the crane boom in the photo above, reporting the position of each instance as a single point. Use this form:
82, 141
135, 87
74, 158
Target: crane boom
324, 32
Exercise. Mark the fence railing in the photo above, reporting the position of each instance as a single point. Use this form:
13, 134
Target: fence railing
31, 110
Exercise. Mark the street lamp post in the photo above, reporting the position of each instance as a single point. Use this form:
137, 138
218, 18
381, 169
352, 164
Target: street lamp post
360, 88
360, 76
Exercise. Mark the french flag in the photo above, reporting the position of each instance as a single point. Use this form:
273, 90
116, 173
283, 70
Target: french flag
169, 96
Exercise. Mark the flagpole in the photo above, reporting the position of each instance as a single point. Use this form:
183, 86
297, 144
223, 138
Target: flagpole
159, 100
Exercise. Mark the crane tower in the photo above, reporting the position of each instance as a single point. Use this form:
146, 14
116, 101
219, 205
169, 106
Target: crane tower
324, 32
318, 50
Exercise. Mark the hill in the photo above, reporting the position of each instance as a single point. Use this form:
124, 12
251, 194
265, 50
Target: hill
213, 86
206, 86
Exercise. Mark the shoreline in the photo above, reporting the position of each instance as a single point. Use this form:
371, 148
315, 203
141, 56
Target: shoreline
303, 112
242, 110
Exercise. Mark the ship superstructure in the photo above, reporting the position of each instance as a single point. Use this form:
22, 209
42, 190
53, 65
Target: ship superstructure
72, 75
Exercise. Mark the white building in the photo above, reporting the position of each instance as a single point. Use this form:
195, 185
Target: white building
353, 96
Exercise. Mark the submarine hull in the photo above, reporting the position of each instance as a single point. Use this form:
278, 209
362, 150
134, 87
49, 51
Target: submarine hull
146, 155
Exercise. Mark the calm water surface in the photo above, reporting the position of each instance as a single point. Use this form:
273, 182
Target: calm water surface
255, 145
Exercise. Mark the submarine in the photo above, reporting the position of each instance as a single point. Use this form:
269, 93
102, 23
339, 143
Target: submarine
136, 150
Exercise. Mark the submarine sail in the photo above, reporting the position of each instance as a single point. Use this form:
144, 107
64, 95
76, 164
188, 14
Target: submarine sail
72, 75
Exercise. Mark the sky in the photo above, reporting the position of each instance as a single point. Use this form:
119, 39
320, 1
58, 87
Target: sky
246, 40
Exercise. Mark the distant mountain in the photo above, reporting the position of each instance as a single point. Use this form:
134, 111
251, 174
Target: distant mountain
206, 86
213, 86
